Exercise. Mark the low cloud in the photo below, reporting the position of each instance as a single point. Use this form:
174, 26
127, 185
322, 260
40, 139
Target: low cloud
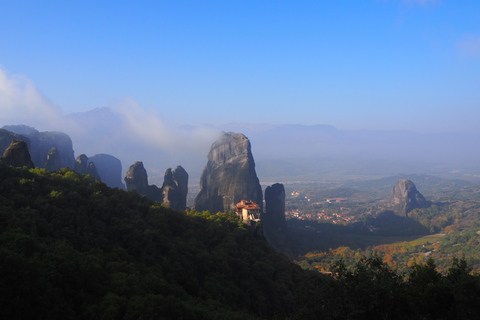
21, 102
469, 46
148, 127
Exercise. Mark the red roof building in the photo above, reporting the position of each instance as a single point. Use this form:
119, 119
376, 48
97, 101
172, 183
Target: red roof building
248, 210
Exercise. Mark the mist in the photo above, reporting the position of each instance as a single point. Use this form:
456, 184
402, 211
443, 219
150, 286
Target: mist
131, 132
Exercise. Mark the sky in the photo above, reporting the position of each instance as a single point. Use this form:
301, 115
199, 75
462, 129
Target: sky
371, 64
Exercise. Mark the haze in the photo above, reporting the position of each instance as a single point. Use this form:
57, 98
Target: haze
375, 80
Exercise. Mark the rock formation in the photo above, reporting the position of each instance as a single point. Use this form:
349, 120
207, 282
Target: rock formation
405, 198
17, 155
53, 160
6, 138
274, 216
109, 169
229, 176
42, 142
82, 166
175, 188
136, 179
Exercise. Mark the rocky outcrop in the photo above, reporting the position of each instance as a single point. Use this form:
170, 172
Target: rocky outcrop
6, 138
136, 179
175, 188
274, 216
53, 160
82, 166
17, 155
42, 142
229, 176
109, 169
92, 170
405, 197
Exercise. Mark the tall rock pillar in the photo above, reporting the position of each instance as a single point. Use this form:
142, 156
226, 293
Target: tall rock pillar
229, 176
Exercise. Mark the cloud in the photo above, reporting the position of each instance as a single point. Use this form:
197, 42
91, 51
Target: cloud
469, 46
148, 127
21, 102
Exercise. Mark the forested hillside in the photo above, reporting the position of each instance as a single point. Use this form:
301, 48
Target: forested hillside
72, 248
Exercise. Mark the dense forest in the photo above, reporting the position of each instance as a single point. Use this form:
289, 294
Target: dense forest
72, 248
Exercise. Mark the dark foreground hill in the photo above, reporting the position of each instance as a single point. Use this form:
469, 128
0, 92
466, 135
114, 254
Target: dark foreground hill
72, 248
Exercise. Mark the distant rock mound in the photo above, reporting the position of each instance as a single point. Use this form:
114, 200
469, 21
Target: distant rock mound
53, 160
274, 216
109, 169
229, 176
175, 188
405, 197
136, 179
17, 155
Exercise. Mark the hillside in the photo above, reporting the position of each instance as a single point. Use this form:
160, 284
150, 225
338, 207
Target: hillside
72, 248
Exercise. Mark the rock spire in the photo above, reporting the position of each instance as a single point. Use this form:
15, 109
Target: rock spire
17, 155
405, 197
229, 176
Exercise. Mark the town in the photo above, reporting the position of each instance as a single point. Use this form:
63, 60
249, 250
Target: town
303, 208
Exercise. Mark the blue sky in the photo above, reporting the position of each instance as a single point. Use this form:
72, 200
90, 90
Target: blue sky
372, 64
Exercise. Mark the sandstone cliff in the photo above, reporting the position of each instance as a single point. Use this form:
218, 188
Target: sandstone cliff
229, 176
109, 169
136, 179
53, 160
17, 155
42, 142
82, 166
274, 216
6, 138
175, 188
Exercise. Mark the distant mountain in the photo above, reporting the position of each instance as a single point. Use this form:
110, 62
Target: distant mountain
283, 153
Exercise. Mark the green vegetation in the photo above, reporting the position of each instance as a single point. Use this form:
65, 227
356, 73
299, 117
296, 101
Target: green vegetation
370, 289
72, 248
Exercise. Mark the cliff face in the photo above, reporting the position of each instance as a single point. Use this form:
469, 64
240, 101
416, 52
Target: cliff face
53, 160
136, 179
229, 176
82, 166
17, 155
274, 216
6, 138
42, 142
175, 188
109, 169
405, 197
